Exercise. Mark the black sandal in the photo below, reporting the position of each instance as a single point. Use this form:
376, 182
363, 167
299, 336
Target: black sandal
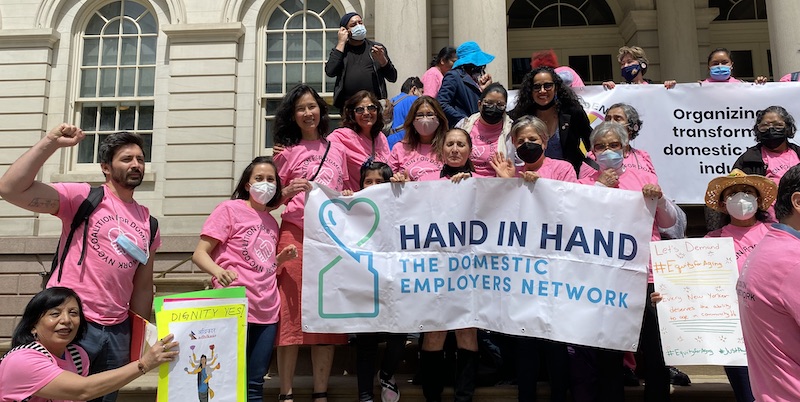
319, 395
285, 397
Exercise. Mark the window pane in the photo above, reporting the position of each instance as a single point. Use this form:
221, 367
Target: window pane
112, 28
331, 18
89, 118
107, 116
276, 20
111, 10
330, 83
129, 51
519, 67
317, 5
108, 81
272, 106
293, 74
313, 22
269, 134
147, 145
129, 28
274, 78
572, 17
147, 79
314, 76
91, 49
127, 117
145, 118
294, 47
110, 51
743, 60
275, 47
331, 38
127, 81
133, 9
148, 24
95, 25
295, 22
314, 46
602, 68
581, 66
89, 83
86, 149
148, 50
292, 6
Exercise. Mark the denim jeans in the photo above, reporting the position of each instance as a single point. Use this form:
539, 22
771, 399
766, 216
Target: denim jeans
260, 340
108, 347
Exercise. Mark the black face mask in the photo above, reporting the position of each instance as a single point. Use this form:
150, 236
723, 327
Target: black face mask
492, 114
772, 138
530, 152
545, 106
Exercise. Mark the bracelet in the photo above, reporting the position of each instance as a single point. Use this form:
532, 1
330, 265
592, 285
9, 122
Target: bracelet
142, 367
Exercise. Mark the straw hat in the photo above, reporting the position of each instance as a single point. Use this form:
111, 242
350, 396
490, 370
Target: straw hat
767, 190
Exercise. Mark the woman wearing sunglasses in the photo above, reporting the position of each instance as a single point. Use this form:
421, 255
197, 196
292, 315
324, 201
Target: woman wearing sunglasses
543, 95
360, 135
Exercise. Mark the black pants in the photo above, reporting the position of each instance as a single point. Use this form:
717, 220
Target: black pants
529, 353
656, 374
367, 355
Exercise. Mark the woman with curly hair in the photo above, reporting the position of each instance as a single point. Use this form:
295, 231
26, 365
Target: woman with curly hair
360, 135
301, 125
544, 95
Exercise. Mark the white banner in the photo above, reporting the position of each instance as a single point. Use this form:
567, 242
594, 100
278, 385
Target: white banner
699, 315
692, 132
554, 260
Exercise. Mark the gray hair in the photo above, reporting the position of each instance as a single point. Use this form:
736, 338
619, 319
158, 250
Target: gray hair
632, 116
609, 127
533, 122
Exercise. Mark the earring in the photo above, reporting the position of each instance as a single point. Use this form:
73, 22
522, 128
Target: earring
35, 336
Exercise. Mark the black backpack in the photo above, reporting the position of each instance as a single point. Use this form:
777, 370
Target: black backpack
82, 217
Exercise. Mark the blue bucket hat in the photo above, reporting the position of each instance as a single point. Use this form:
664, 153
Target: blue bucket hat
471, 53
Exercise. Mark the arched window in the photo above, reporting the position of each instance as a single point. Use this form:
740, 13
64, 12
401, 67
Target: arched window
299, 37
117, 75
730, 10
559, 13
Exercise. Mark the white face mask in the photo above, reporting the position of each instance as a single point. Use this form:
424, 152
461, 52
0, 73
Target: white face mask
358, 32
262, 191
741, 206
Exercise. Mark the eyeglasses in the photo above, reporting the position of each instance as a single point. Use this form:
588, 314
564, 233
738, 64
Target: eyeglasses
777, 125
363, 109
499, 105
421, 116
614, 146
547, 86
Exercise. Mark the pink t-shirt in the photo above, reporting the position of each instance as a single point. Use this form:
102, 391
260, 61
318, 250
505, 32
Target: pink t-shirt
358, 149
745, 239
636, 159
432, 81
484, 145
247, 241
554, 169
769, 305
24, 372
301, 161
778, 162
420, 164
104, 281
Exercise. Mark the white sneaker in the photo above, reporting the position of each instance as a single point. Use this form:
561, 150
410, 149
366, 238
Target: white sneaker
389, 391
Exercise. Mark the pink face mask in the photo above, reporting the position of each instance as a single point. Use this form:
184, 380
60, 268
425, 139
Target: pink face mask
426, 126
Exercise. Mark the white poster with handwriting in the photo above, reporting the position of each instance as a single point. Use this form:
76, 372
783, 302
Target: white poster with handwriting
699, 313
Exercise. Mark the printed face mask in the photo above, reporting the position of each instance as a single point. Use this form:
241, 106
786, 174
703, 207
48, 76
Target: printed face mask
262, 191
530, 152
358, 32
720, 73
741, 206
130, 248
630, 72
610, 159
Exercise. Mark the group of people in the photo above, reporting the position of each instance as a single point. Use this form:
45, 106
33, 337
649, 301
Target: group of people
74, 344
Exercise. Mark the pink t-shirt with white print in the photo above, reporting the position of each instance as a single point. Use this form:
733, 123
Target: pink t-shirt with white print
554, 169
778, 162
745, 239
104, 281
301, 161
358, 149
484, 145
420, 164
247, 241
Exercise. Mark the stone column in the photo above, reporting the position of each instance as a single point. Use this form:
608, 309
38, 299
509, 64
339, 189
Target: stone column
403, 26
784, 36
677, 39
483, 22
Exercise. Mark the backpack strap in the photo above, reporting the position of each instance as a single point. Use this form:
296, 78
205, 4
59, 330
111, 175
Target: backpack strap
795, 76
76, 357
153, 229
81, 217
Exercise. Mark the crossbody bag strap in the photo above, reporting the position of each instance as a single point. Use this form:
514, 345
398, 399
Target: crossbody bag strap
322, 162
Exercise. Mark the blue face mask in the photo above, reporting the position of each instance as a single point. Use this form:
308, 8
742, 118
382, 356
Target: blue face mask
130, 248
610, 159
720, 73
630, 72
